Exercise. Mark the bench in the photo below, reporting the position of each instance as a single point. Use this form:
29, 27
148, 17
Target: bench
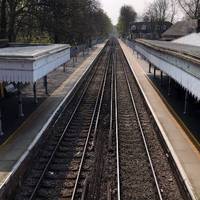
10, 89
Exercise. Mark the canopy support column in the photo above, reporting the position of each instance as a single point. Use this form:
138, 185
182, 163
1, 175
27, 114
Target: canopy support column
64, 67
185, 102
169, 86
1, 127
154, 72
73, 61
35, 92
20, 105
46, 85
83, 51
149, 67
1, 90
161, 78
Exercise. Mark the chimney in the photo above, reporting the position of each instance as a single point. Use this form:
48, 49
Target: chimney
198, 25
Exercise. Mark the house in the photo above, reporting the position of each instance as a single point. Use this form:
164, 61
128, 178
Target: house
148, 30
181, 29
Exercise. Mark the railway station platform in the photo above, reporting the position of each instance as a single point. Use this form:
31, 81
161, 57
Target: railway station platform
184, 152
15, 150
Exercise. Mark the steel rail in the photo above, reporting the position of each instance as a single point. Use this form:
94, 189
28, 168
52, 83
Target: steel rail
67, 104
109, 190
97, 120
117, 133
98, 102
111, 106
99, 110
61, 138
142, 133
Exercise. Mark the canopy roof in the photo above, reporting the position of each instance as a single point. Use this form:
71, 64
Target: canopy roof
191, 39
27, 64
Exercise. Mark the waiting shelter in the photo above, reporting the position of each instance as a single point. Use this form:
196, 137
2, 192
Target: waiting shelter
25, 64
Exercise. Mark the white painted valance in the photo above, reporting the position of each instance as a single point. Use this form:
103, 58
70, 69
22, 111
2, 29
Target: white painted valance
30, 63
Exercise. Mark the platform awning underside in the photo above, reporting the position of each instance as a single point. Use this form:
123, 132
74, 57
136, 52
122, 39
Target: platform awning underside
33, 64
183, 71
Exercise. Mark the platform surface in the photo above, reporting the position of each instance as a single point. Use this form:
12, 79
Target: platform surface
16, 147
187, 156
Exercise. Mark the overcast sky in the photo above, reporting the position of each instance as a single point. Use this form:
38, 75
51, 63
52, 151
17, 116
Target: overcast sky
112, 7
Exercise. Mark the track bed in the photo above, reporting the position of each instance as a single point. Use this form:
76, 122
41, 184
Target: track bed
104, 145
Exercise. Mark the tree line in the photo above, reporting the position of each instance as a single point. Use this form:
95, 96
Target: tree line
69, 21
157, 12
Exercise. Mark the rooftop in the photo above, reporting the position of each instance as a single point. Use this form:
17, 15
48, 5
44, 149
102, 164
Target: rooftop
191, 39
181, 28
189, 52
31, 51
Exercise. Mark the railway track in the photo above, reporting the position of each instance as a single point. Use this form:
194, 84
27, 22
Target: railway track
152, 176
103, 143
132, 144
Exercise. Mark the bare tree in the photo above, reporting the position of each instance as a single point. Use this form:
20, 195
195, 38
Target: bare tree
158, 12
161, 10
172, 10
191, 8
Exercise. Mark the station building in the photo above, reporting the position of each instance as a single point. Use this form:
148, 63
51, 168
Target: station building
148, 30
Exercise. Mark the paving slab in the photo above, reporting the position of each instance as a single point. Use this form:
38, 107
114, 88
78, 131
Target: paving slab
186, 155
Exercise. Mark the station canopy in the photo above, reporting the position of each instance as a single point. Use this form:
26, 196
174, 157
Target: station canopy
27, 64
180, 61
